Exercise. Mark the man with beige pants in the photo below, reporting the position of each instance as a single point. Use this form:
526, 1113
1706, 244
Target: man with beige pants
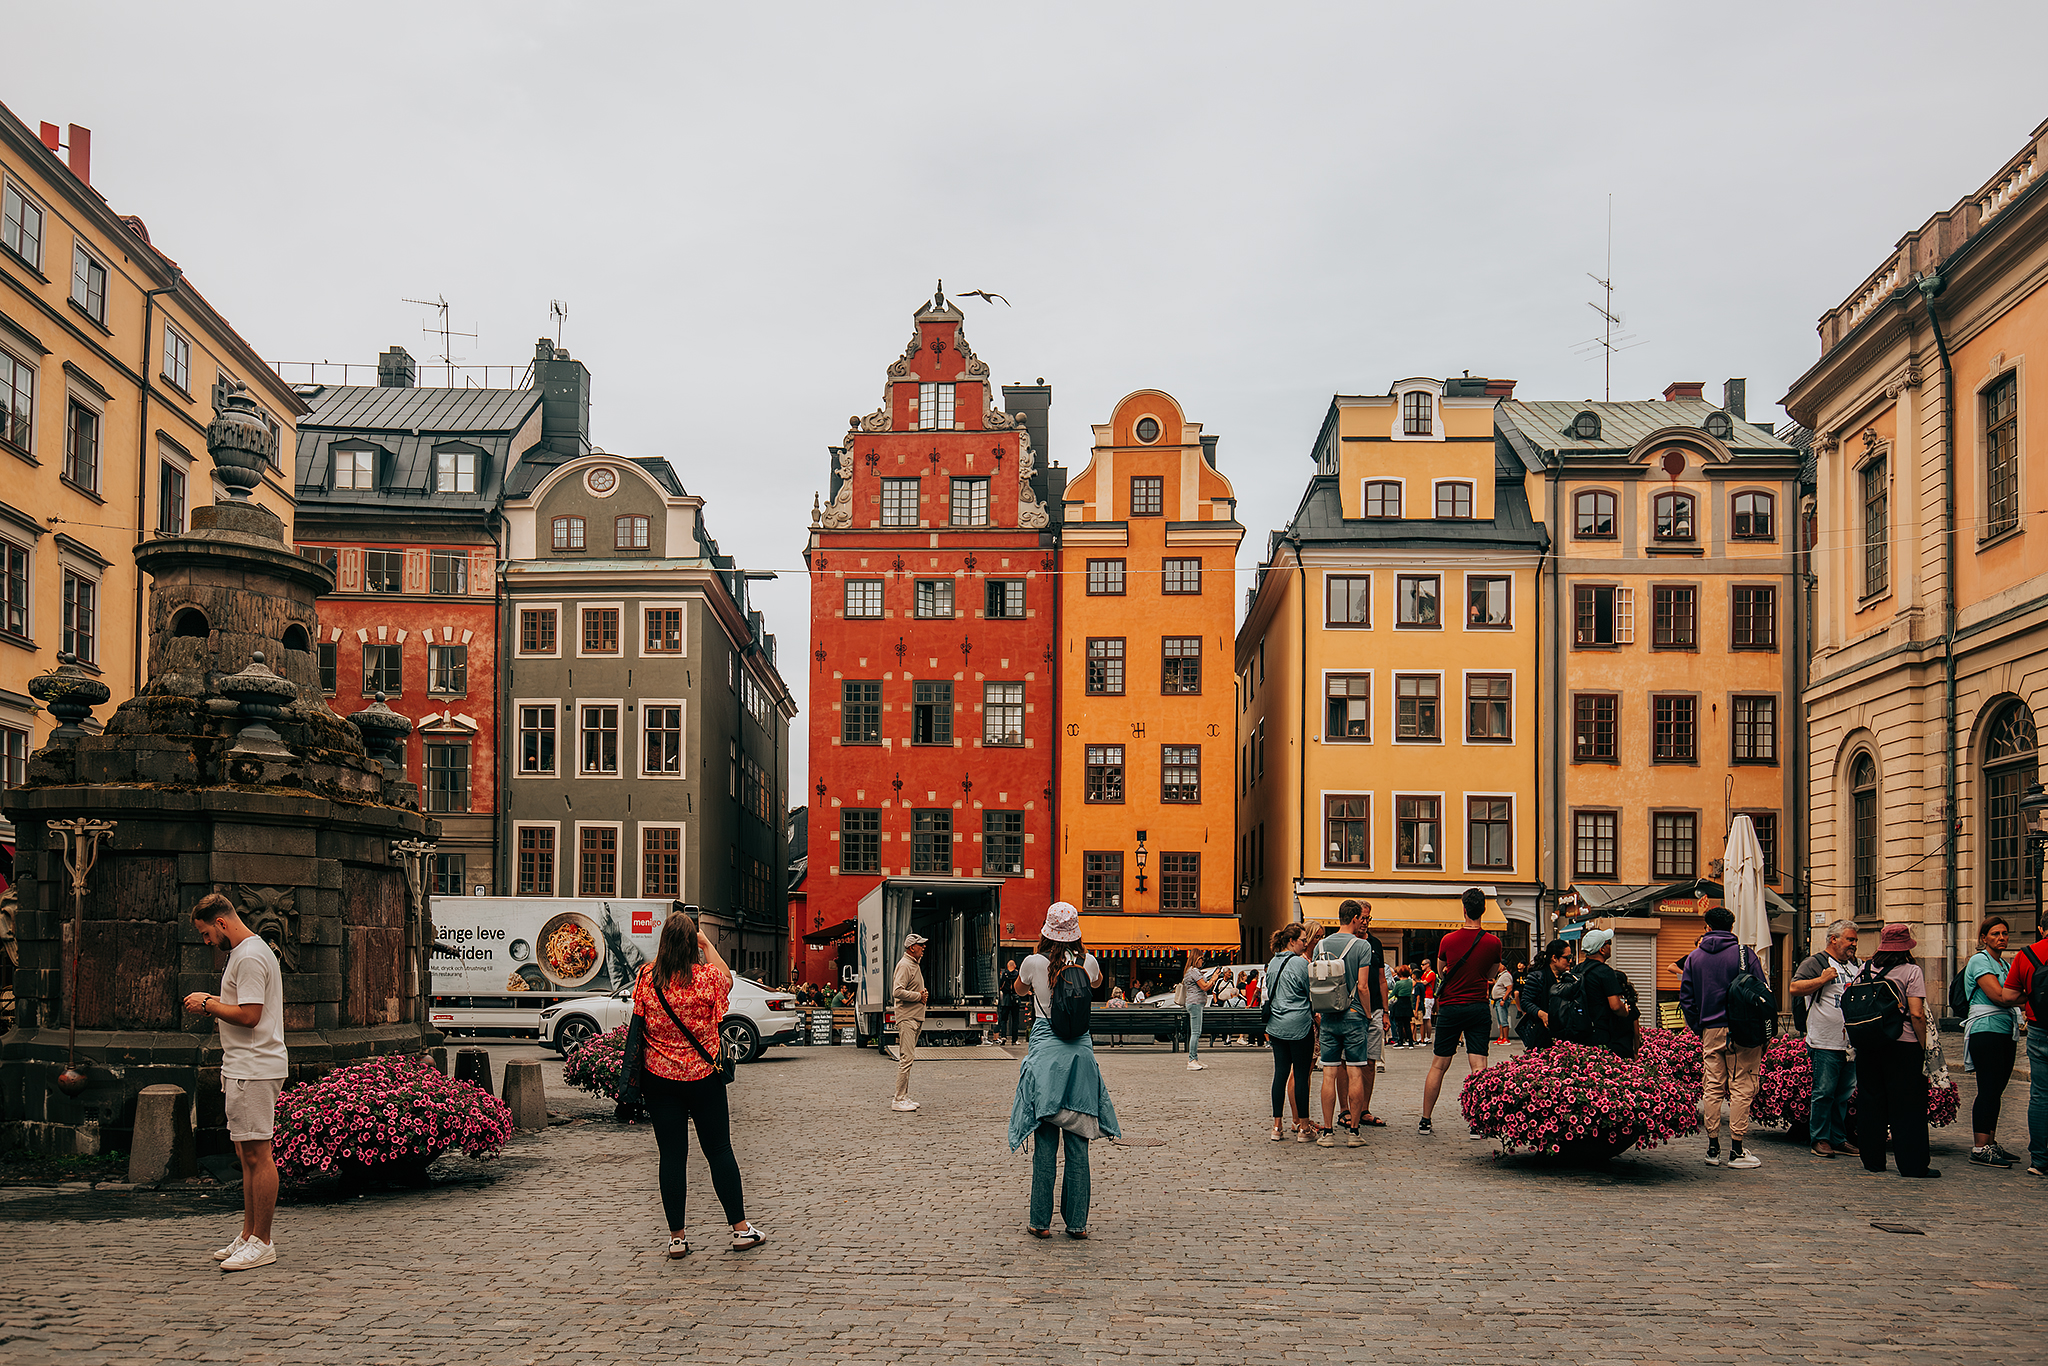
1729, 1074
908, 996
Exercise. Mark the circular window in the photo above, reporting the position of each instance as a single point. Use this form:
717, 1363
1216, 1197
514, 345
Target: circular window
1148, 430
1586, 426
1720, 426
602, 481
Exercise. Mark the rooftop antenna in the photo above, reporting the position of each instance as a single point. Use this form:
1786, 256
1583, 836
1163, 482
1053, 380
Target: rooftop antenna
1611, 339
558, 317
439, 303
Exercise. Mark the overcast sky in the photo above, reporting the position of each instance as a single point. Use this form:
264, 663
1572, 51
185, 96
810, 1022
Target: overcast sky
1252, 207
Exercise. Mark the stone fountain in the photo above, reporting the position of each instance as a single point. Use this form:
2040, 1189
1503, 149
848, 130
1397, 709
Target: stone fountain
228, 773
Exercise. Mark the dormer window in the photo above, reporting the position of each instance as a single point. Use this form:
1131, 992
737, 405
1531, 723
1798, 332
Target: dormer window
1672, 514
455, 472
1720, 426
935, 407
1383, 498
1454, 499
355, 469
1418, 414
1586, 426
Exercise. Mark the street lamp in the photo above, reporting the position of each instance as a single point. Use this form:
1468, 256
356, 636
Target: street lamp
1141, 860
2032, 807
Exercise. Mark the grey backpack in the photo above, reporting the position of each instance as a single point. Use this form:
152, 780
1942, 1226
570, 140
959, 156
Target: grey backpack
1329, 984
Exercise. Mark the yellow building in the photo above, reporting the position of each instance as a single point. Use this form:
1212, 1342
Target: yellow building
1671, 670
108, 356
1147, 600
1931, 610
1387, 688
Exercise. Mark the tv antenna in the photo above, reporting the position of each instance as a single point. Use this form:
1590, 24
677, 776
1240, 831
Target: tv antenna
558, 317
439, 303
1611, 338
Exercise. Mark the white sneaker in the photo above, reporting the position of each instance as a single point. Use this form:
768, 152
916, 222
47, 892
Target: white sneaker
902, 1105
253, 1253
221, 1254
1196, 1066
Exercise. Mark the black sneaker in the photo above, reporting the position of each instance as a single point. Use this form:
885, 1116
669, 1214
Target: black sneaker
1713, 1152
1989, 1157
1423, 1128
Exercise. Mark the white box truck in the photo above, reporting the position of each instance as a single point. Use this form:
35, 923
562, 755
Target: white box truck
958, 916
514, 956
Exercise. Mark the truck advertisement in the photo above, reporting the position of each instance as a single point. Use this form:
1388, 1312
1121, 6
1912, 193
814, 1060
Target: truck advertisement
507, 946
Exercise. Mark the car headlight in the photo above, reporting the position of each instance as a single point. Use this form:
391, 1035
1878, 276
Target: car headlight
550, 1012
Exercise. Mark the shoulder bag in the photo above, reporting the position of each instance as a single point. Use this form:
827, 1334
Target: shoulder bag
722, 1066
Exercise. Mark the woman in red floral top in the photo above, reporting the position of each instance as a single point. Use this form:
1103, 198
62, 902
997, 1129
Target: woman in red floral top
688, 983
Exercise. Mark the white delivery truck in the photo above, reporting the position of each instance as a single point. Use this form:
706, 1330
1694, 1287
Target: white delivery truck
958, 916
500, 961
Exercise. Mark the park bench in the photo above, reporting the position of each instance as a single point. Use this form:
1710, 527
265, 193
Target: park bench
1169, 1024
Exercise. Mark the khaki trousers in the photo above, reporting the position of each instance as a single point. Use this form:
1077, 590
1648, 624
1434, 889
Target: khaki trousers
906, 1047
1728, 1074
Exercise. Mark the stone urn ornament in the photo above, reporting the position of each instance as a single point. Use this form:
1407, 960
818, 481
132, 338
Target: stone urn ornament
70, 694
383, 731
260, 696
239, 439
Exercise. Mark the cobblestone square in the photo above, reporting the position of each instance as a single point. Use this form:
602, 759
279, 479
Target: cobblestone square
899, 1237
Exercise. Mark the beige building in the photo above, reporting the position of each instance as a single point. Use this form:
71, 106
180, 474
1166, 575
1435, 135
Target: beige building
108, 359
1929, 407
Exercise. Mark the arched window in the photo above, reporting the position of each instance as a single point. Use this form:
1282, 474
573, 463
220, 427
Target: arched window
630, 533
1720, 426
1586, 426
1383, 498
295, 638
1753, 519
1863, 822
568, 533
2011, 763
190, 624
1672, 513
1594, 515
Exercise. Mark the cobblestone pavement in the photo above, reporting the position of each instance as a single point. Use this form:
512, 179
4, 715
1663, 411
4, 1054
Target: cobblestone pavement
899, 1237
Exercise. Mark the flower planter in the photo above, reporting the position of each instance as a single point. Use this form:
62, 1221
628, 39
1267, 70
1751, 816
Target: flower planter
1575, 1105
384, 1120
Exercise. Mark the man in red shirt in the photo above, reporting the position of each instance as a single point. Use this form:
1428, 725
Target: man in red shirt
2019, 980
1471, 959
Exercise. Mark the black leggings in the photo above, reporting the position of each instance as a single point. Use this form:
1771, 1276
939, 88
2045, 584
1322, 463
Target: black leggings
1993, 1054
1891, 1094
672, 1105
1297, 1055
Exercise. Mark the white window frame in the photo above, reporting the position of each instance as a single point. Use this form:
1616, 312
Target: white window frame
624, 625
1514, 801
626, 758
619, 864
1368, 480
182, 380
28, 608
80, 256
640, 857
360, 480
1323, 829
953, 499
555, 883
1436, 488
1400, 421
441, 475
35, 390
97, 406
936, 407
1372, 697
1465, 701
1394, 864
180, 460
79, 570
519, 705
1465, 604
682, 738
1023, 711
1394, 677
846, 597
554, 607
640, 610
29, 201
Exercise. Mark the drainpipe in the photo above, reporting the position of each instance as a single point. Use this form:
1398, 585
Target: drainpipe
501, 685
1557, 811
1301, 740
142, 463
1931, 286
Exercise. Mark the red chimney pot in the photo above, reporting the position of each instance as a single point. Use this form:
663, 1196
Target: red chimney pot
52, 137
1500, 388
81, 154
1681, 389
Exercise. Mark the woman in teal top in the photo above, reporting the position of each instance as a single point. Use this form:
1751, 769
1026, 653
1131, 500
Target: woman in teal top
1988, 1039
1289, 1028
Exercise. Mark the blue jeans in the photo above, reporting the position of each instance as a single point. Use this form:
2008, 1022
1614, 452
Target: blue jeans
1045, 1146
1834, 1078
1194, 1035
2037, 1097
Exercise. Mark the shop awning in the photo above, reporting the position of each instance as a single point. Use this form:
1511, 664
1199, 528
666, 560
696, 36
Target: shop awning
831, 934
1159, 931
1403, 912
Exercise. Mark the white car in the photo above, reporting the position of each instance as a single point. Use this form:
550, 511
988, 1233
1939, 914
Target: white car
756, 1016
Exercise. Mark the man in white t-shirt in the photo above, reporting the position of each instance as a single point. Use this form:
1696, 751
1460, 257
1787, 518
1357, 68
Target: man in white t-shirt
1822, 979
250, 1009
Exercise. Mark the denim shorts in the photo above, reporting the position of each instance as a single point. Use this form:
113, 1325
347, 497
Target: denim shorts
1347, 1039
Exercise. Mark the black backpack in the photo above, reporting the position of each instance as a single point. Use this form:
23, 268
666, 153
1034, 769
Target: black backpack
1571, 1015
1751, 1009
1960, 988
2037, 988
1874, 1011
1072, 1000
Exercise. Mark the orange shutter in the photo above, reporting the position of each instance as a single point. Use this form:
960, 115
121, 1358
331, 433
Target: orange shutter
480, 584
415, 571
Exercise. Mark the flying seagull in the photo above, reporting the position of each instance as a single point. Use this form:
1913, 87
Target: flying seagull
985, 296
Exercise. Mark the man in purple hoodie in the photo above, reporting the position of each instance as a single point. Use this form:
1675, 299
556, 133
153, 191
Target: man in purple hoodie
1728, 1073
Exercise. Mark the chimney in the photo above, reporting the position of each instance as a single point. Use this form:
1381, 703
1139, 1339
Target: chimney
1502, 389
1209, 449
53, 137
1031, 404
81, 154
564, 386
1735, 398
396, 369
1681, 390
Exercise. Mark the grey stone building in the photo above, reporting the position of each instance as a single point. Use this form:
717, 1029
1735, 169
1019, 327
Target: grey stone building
645, 725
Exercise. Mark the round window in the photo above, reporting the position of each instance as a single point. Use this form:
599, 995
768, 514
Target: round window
1148, 430
601, 481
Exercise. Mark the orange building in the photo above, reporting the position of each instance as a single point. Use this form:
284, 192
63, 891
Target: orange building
1147, 809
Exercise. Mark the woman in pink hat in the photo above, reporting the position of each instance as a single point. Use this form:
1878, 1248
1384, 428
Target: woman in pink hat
1891, 1087
1061, 1101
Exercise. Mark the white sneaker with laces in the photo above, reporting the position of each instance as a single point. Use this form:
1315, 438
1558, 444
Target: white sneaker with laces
902, 1105
253, 1253
221, 1254
754, 1236
1196, 1066
678, 1248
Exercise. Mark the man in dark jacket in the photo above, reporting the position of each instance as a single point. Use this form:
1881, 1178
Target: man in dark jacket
1728, 1073
1534, 1026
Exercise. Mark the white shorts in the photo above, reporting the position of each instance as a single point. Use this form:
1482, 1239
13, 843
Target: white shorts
1428, 1006
252, 1107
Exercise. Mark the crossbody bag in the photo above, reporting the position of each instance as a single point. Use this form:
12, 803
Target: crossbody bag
722, 1066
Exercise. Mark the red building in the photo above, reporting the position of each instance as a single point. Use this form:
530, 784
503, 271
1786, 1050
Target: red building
933, 602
